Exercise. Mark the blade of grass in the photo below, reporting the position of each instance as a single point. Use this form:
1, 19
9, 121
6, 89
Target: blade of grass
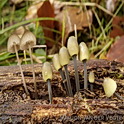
24, 23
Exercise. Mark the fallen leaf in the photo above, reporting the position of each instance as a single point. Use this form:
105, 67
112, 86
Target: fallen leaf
72, 16
118, 27
116, 50
47, 10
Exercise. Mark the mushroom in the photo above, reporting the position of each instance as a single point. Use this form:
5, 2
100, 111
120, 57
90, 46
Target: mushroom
73, 49
91, 80
58, 67
109, 86
28, 40
84, 56
47, 76
64, 60
13, 46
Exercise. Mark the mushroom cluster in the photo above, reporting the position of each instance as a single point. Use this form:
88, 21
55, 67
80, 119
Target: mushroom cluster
60, 62
16, 43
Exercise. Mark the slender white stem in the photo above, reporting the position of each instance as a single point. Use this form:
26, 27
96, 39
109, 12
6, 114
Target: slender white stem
85, 75
25, 56
76, 73
33, 72
68, 81
49, 91
23, 79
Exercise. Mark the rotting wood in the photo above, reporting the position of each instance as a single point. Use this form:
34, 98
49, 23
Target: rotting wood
16, 107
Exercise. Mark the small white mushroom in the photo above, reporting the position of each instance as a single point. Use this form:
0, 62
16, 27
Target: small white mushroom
47, 77
84, 56
13, 46
64, 59
58, 67
91, 80
56, 62
109, 86
28, 40
73, 49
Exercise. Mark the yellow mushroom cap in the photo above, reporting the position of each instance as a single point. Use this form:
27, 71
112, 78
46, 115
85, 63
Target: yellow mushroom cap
72, 46
27, 39
56, 62
109, 86
91, 77
83, 52
47, 71
13, 40
64, 56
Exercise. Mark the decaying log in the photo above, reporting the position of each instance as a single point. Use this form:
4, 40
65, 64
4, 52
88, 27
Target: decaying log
92, 107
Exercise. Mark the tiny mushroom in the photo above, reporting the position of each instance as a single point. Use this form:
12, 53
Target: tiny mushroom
28, 40
47, 76
13, 46
73, 49
84, 56
109, 86
91, 80
58, 67
64, 60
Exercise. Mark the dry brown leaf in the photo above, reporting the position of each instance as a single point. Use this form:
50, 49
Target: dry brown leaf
117, 24
47, 10
116, 52
72, 16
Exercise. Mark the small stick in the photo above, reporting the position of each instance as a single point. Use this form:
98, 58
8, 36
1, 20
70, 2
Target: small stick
64, 78
118, 96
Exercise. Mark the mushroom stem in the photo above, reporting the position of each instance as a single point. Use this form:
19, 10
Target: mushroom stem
33, 72
68, 81
49, 91
24, 84
76, 73
63, 78
91, 87
85, 74
25, 56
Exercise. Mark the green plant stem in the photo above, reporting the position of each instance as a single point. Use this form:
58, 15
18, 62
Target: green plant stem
68, 81
76, 73
49, 91
33, 72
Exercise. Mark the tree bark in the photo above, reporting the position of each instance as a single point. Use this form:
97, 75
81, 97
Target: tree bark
84, 107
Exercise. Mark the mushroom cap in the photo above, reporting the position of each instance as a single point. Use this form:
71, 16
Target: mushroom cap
109, 86
13, 40
72, 46
91, 77
64, 57
46, 71
56, 62
83, 52
27, 38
